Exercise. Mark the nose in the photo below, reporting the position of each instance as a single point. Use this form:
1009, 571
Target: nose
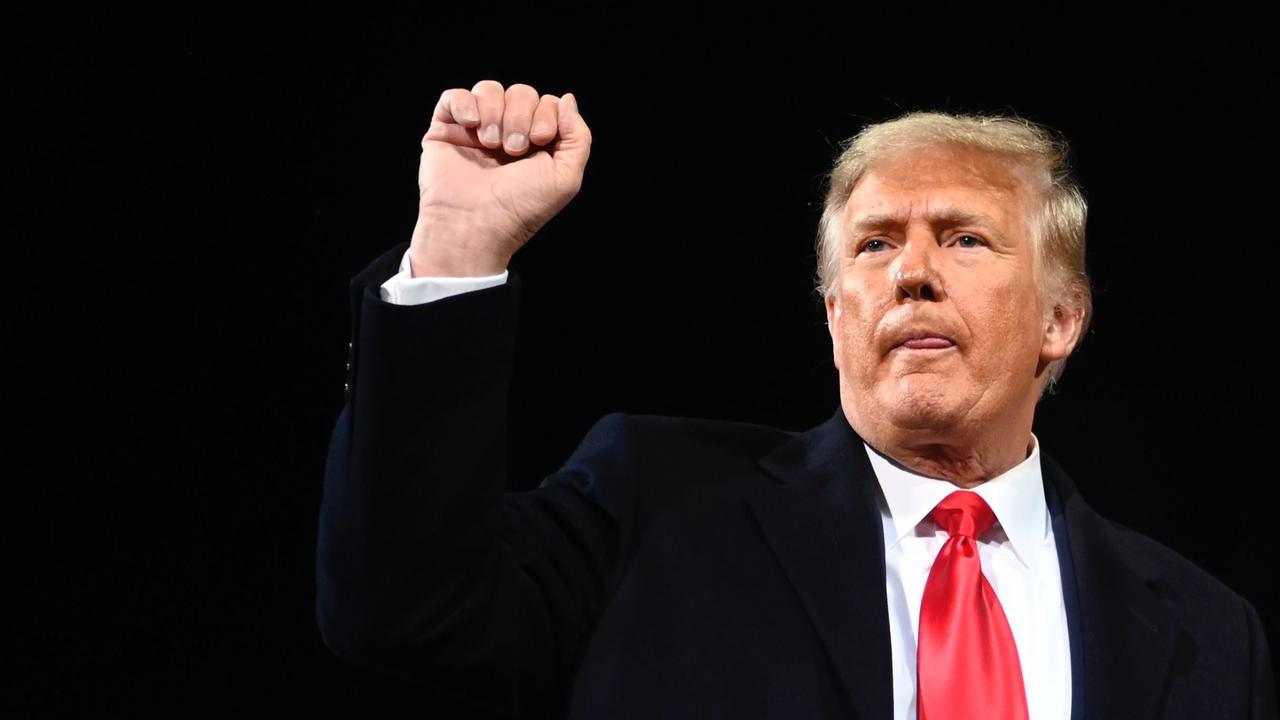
914, 276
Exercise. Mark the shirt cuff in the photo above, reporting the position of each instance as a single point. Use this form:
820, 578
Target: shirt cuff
404, 289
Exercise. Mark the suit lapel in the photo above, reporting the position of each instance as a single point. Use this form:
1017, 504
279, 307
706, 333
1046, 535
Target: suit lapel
1125, 629
824, 526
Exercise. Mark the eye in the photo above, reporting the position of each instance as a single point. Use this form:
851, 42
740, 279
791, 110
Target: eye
969, 241
874, 245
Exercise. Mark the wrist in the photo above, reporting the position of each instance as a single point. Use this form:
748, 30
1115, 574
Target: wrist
453, 249
438, 266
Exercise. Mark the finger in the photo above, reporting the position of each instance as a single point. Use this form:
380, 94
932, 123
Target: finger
574, 146
453, 134
457, 106
521, 100
543, 129
455, 111
490, 100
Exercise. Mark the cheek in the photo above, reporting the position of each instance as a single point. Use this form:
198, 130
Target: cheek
1010, 319
857, 324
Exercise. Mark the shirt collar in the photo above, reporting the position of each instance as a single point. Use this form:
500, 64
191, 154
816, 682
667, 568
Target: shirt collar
1015, 496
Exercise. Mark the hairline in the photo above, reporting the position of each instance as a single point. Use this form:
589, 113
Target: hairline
1023, 169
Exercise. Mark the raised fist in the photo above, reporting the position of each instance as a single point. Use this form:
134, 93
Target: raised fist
497, 164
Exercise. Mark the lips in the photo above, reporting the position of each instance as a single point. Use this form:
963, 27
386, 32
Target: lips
921, 337
927, 343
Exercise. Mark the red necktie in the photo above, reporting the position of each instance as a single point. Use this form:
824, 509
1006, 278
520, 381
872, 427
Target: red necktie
967, 664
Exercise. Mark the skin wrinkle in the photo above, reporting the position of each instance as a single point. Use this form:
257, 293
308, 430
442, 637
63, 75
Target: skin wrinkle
963, 413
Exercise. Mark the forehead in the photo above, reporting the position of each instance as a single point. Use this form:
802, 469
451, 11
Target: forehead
946, 178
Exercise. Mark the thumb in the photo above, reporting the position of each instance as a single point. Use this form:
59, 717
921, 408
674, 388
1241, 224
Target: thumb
574, 145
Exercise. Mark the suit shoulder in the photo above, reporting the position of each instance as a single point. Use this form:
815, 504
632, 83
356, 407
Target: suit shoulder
1150, 559
1223, 625
642, 466
1178, 573
640, 433
675, 453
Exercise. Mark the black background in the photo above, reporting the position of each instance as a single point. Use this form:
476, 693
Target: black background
194, 189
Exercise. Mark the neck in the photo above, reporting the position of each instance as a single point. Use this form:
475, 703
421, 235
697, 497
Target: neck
965, 460
964, 467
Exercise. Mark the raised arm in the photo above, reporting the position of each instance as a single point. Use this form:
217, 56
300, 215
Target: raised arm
425, 566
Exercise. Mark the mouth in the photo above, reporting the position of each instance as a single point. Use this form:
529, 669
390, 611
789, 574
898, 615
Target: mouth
932, 342
922, 339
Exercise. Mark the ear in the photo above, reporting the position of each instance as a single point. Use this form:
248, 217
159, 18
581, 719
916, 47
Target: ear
833, 327
1062, 332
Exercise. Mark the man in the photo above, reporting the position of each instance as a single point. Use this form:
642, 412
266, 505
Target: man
914, 556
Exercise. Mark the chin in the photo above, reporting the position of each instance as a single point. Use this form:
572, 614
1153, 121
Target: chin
923, 403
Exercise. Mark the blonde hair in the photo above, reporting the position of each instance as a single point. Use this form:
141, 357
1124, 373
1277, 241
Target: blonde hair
1057, 225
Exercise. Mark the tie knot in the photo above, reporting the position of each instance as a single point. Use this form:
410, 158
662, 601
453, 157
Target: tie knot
964, 513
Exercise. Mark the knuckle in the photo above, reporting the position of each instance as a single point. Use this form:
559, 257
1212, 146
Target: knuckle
517, 114
521, 89
487, 86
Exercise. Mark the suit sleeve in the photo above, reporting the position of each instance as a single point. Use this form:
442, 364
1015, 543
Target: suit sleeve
1262, 679
426, 567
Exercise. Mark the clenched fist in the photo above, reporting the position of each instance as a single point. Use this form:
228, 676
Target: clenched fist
497, 164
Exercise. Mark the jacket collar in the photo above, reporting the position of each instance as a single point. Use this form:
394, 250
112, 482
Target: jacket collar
1016, 497
823, 523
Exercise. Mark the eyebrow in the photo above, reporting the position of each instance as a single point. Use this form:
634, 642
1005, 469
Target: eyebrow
946, 216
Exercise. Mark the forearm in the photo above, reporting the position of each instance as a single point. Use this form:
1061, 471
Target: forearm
416, 471
416, 572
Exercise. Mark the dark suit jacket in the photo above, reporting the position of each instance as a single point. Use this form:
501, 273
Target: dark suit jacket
680, 568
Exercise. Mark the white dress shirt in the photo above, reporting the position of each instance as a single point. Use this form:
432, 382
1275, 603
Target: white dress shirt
1018, 554
1019, 559
405, 289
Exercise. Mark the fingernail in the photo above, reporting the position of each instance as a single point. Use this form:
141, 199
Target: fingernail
517, 141
491, 135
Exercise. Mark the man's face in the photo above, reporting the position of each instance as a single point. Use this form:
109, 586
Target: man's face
937, 325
